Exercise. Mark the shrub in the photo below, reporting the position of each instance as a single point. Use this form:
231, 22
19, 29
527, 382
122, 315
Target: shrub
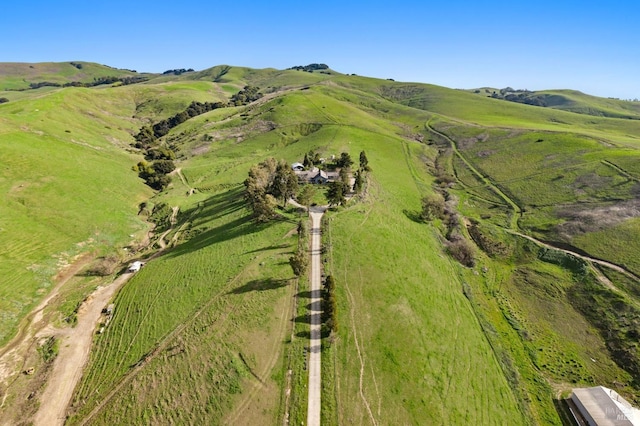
462, 251
432, 207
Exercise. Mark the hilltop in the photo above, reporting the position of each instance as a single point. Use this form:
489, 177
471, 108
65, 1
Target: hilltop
567, 100
487, 267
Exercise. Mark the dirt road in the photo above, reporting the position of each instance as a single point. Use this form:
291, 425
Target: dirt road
313, 410
583, 257
75, 344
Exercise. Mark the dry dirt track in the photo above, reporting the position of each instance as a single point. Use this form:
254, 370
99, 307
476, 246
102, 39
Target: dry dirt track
313, 409
75, 344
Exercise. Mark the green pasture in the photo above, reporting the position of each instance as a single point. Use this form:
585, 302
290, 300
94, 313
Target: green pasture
403, 316
213, 312
207, 332
68, 190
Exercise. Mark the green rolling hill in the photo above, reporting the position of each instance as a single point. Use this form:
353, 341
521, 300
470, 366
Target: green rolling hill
214, 329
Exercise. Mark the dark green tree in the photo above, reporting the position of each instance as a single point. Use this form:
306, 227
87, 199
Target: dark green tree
344, 160
329, 284
358, 182
364, 162
344, 176
163, 167
284, 184
336, 193
307, 162
306, 195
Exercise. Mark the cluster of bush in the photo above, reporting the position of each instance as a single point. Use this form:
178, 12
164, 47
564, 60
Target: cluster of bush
492, 246
3, 100
247, 95
442, 206
310, 67
520, 96
177, 71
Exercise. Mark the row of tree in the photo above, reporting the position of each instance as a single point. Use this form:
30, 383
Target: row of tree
98, 81
300, 260
329, 307
310, 67
177, 71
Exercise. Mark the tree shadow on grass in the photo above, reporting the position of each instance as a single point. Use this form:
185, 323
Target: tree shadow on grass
303, 334
413, 215
215, 208
228, 231
260, 285
272, 247
305, 294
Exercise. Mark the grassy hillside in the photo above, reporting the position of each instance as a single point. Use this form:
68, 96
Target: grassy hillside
68, 190
215, 329
568, 100
17, 75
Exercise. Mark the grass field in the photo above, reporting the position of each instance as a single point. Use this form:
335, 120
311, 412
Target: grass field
227, 293
214, 330
68, 190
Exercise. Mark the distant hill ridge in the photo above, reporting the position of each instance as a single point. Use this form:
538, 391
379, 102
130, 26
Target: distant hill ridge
567, 100
24, 76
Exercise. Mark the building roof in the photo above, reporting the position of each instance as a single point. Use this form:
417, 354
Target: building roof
602, 406
295, 166
322, 174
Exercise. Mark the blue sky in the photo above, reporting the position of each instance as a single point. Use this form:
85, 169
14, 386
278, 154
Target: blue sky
589, 46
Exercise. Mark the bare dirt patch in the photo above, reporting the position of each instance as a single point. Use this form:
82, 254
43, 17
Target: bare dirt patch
581, 219
22, 371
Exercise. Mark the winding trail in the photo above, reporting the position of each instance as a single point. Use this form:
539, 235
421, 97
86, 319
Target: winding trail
517, 211
315, 344
600, 262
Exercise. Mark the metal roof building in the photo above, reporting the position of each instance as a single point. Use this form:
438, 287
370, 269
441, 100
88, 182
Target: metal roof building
604, 407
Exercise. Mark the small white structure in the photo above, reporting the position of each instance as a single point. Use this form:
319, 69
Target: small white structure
109, 309
602, 406
135, 266
298, 167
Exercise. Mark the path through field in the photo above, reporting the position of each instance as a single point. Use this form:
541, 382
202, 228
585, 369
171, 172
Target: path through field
313, 411
600, 262
75, 344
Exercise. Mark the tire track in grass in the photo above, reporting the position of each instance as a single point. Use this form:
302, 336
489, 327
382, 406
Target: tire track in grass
261, 378
360, 357
373, 374
163, 343
160, 291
